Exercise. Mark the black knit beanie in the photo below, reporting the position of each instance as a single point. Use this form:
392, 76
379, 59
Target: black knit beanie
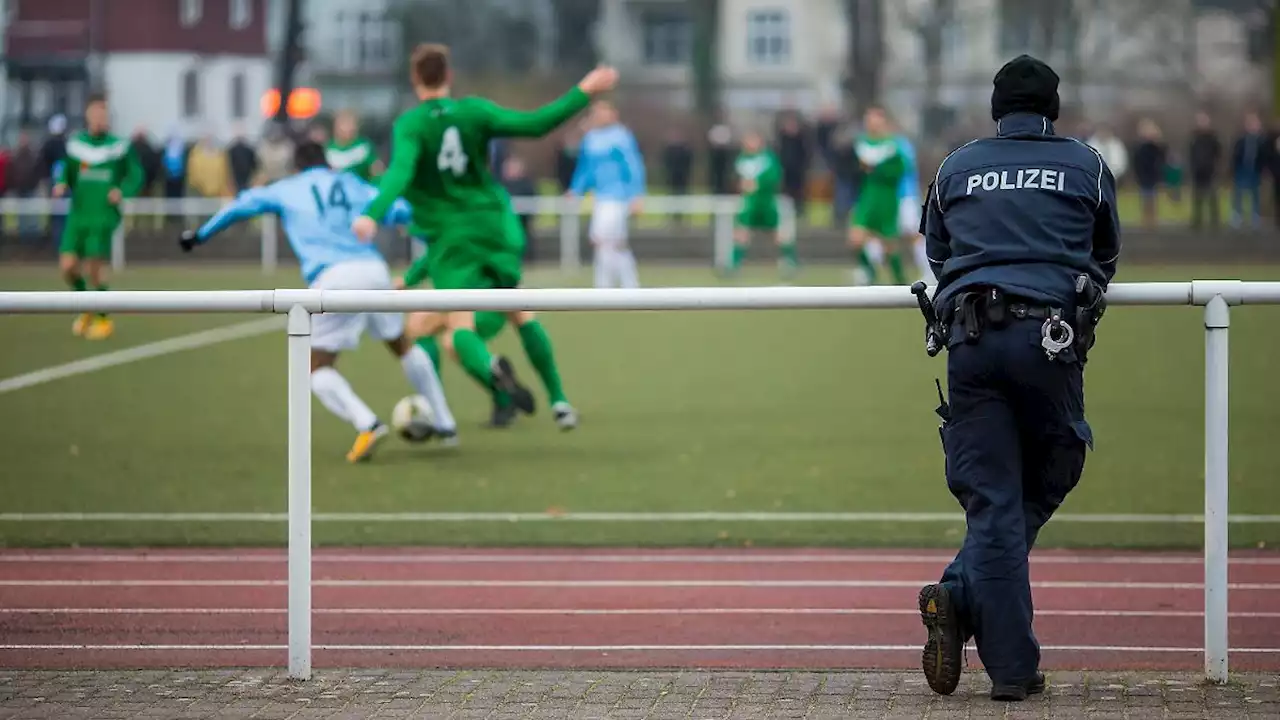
1025, 84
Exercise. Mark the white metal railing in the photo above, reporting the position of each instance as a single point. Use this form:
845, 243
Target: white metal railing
1216, 296
569, 212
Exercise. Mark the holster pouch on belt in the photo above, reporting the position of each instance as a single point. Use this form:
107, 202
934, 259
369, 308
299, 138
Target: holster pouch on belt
1091, 305
971, 314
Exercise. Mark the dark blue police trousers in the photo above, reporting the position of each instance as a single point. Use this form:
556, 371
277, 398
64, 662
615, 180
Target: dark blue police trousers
1015, 447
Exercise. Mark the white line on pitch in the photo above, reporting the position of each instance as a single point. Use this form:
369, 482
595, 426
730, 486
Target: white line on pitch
1065, 584
609, 648
728, 558
614, 517
601, 612
192, 341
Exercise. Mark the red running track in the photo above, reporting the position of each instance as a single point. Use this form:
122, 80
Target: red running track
596, 609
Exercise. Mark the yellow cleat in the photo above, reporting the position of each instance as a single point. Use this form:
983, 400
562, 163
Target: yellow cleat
100, 329
81, 324
366, 442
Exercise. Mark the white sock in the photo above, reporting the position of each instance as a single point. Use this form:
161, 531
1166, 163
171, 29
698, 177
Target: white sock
628, 276
875, 251
602, 270
922, 261
335, 393
422, 375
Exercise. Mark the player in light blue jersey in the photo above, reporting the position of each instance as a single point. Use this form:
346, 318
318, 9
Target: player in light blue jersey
909, 208
316, 207
611, 168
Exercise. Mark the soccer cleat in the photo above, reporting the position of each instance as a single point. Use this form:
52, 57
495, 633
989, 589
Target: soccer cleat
502, 417
1018, 692
81, 324
566, 417
504, 376
100, 329
944, 650
366, 442
447, 438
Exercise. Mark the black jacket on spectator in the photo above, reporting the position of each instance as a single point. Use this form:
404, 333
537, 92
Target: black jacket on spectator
149, 160
1249, 157
243, 160
794, 154
566, 163
52, 152
677, 160
1148, 164
720, 160
824, 137
1204, 156
25, 171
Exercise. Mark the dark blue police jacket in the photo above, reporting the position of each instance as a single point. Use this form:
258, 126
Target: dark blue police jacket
1026, 211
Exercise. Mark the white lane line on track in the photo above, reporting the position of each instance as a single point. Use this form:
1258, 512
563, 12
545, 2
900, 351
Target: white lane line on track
191, 341
728, 558
604, 648
567, 612
609, 517
1069, 584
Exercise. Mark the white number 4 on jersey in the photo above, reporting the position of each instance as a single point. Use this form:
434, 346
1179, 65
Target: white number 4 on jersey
452, 157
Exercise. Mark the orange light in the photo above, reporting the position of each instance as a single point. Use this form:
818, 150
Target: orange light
304, 103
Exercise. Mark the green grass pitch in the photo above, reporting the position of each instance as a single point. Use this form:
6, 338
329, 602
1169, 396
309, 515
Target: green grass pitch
764, 411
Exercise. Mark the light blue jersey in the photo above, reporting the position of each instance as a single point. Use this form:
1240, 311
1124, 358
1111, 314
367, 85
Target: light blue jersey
910, 186
609, 165
316, 207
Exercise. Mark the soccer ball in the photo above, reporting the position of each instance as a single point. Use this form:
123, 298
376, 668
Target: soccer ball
413, 419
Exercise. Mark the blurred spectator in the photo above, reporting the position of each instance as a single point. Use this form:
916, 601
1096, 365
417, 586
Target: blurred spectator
567, 159
174, 161
275, 155
848, 172
677, 162
148, 159
794, 155
318, 134
243, 160
499, 151
825, 134
518, 184
208, 173
720, 156
23, 177
1112, 151
1203, 157
1149, 159
1248, 158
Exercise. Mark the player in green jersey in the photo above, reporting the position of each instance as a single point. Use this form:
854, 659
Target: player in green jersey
349, 151
99, 172
759, 176
439, 165
876, 213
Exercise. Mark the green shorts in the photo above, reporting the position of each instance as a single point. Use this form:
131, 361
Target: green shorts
92, 243
758, 216
879, 219
478, 255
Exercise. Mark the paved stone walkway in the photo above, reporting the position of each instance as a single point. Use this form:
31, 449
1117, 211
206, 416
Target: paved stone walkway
360, 694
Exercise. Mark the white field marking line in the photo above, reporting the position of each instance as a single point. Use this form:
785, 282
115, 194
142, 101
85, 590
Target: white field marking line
728, 558
884, 584
609, 648
626, 612
609, 517
191, 341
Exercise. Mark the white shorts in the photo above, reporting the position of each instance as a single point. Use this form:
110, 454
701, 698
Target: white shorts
609, 223
335, 332
909, 216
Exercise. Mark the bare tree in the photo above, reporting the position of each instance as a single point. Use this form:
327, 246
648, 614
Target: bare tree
929, 20
706, 71
866, 51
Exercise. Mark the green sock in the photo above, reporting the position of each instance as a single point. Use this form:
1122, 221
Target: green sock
739, 254
895, 266
101, 287
787, 251
474, 357
77, 283
537, 346
431, 347
864, 261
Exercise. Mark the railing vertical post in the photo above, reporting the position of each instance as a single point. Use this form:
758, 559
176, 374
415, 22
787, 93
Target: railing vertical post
1217, 319
270, 244
299, 330
117, 248
722, 234
569, 213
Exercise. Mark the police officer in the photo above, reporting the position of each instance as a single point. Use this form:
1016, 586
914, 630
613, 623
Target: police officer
1022, 234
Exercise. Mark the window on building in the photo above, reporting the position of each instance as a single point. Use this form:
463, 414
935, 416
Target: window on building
239, 97
241, 14
769, 37
374, 37
667, 37
1045, 29
190, 12
191, 94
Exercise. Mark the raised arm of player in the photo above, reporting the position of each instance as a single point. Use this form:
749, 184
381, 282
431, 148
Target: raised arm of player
505, 122
406, 147
249, 204
131, 179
